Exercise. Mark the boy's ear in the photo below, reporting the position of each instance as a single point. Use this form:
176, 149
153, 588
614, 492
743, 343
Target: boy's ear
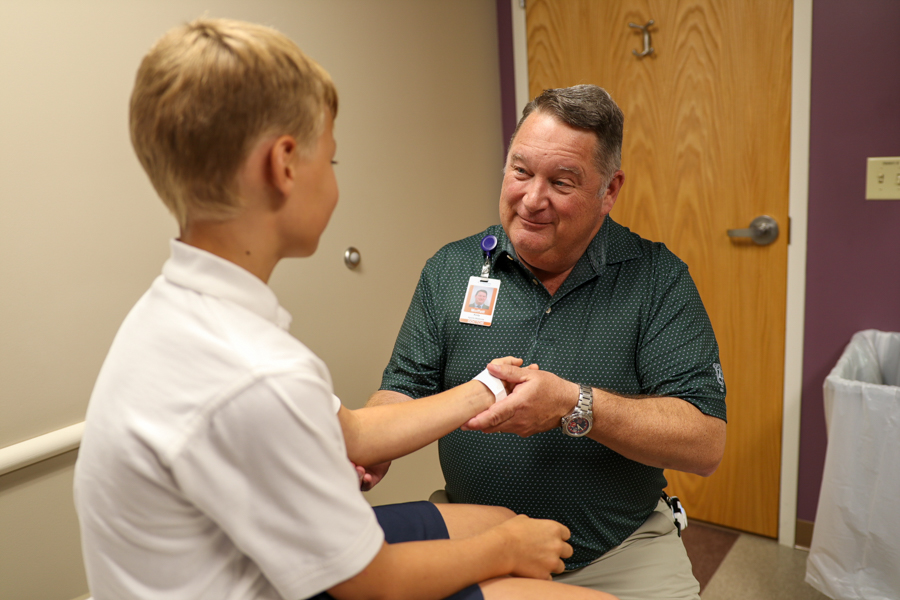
283, 162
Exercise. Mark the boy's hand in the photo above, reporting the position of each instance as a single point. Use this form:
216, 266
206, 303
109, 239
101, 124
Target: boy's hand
536, 547
370, 476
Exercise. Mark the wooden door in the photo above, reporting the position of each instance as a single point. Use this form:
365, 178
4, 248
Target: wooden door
706, 149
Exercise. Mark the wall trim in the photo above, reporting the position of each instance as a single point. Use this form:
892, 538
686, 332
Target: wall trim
803, 539
801, 83
42, 447
520, 55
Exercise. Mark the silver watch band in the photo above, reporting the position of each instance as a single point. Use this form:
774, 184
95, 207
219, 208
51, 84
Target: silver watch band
585, 398
581, 419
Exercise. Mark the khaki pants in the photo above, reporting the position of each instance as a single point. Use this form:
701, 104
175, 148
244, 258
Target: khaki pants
651, 564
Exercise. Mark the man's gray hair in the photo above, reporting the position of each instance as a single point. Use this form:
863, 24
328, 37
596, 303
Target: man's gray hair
585, 107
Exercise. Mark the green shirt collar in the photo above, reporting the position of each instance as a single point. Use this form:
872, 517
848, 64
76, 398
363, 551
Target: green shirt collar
612, 244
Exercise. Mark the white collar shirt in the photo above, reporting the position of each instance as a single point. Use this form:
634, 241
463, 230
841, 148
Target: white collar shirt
213, 464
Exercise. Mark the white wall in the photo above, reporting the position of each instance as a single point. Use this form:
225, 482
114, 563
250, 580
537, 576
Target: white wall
82, 233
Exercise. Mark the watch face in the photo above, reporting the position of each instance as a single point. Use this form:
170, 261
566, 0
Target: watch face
577, 426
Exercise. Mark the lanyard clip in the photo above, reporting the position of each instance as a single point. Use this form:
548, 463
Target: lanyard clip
486, 268
488, 243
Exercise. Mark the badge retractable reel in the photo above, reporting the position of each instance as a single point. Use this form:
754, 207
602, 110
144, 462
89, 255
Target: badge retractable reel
488, 243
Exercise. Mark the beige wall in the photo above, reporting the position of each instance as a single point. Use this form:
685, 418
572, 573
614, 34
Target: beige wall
419, 152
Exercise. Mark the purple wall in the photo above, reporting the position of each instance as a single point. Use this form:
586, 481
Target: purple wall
507, 72
853, 255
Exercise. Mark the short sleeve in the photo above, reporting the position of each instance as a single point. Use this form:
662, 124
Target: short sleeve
415, 368
270, 468
678, 355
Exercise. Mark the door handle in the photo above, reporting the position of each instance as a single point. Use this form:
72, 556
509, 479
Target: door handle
763, 231
352, 257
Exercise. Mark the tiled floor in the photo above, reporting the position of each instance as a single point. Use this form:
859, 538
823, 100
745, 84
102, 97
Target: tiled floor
758, 568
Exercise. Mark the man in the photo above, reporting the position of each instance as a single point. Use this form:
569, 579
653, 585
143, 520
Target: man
480, 300
628, 359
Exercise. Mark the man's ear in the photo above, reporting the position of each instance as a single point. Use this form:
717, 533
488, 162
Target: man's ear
612, 190
283, 163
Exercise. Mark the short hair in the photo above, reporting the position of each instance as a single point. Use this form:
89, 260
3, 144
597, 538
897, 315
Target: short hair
205, 93
587, 107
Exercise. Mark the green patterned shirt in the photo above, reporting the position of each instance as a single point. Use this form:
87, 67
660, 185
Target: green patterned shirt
627, 319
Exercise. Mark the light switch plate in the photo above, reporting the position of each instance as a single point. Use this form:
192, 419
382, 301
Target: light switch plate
883, 178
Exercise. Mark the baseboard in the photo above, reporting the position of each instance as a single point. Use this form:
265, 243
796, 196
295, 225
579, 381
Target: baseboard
803, 534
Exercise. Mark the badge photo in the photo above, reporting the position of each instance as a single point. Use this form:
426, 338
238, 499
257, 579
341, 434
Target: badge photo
480, 301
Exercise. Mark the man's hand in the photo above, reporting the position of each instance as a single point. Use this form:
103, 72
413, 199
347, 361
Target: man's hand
509, 360
538, 401
536, 546
370, 476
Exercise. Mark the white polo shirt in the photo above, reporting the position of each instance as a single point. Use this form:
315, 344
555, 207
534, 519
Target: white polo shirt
212, 464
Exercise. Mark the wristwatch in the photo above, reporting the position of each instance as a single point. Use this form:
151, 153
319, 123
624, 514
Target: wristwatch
581, 420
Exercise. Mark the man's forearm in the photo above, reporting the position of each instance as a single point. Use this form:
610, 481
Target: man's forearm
670, 433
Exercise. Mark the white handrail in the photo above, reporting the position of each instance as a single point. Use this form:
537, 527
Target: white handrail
40, 448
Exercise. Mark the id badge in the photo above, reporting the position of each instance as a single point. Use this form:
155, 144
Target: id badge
480, 301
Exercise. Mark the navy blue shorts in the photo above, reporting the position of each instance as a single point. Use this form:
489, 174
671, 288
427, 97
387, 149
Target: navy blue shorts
413, 522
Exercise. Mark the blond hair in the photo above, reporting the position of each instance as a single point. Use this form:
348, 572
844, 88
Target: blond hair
205, 93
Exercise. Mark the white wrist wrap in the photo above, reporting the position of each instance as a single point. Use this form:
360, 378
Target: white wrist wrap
494, 384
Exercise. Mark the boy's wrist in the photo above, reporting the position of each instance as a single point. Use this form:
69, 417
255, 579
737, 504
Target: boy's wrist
502, 549
494, 384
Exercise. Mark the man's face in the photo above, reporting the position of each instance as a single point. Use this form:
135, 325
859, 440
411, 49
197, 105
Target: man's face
549, 202
480, 297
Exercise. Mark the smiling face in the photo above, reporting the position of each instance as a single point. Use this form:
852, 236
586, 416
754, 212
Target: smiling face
553, 200
480, 297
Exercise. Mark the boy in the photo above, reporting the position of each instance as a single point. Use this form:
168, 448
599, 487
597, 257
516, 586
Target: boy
215, 457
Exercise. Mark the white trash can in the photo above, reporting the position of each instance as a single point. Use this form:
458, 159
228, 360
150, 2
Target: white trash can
855, 551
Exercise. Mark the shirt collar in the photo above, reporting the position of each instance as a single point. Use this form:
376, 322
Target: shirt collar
621, 243
504, 245
612, 244
206, 273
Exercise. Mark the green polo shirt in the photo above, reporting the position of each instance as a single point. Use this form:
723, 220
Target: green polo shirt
627, 319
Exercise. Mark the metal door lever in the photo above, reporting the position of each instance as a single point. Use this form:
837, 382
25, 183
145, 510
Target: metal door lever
763, 231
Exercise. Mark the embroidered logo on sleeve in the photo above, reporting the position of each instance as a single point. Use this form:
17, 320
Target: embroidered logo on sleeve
719, 376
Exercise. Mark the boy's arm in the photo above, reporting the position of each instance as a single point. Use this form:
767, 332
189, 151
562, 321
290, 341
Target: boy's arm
372, 473
437, 568
376, 434
386, 397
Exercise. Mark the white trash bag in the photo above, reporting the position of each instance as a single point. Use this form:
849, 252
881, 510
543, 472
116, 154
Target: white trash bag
855, 552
